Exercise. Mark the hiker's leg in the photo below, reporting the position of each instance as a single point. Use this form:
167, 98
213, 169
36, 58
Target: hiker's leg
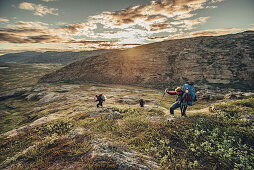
183, 109
173, 107
101, 103
98, 104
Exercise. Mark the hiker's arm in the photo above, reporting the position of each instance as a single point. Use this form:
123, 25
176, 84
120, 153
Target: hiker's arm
171, 92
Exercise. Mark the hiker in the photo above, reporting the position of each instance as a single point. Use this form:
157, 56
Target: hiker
100, 99
141, 102
180, 101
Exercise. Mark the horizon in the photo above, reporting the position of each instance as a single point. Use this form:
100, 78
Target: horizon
63, 25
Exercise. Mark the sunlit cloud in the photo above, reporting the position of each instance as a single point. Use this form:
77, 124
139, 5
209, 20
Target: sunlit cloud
4, 20
77, 29
251, 29
210, 32
130, 27
16, 38
38, 9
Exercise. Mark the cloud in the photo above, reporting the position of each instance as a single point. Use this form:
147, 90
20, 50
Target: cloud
210, 32
251, 29
189, 24
214, 32
4, 20
128, 27
15, 38
49, 0
38, 9
164, 16
79, 28
25, 24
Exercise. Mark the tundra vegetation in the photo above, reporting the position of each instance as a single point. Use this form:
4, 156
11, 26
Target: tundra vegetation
55, 126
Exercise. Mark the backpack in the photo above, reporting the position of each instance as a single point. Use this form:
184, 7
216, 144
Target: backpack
188, 97
102, 97
191, 96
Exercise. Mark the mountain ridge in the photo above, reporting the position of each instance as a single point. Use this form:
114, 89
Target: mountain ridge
65, 57
222, 61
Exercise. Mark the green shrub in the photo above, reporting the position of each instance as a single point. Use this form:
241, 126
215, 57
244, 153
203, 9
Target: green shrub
56, 127
197, 142
237, 108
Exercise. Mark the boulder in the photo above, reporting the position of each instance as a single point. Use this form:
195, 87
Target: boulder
35, 96
131, 100
76, 132
113, 115
50, 97
230, 96
13, 93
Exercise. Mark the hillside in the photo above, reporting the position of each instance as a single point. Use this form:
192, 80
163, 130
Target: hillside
57, 126
49, 56
224, 61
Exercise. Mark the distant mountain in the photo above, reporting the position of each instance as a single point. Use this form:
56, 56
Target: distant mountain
49, 56
225, 61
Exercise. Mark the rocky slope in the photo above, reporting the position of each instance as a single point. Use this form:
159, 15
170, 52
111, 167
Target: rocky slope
223, 61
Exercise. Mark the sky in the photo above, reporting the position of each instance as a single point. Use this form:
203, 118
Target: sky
77, 25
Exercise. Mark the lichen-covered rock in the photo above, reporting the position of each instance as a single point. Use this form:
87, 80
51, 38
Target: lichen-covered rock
35, 96
13, 93
113, 115
125, 159
131, 100
50, 97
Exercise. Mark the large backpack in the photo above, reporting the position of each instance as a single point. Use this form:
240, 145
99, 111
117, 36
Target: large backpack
191, 96
102, 97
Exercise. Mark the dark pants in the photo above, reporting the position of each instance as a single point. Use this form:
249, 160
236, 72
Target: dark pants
175, 106
100, 103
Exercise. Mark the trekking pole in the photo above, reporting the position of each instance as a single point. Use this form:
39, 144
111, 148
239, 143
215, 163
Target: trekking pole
163, 95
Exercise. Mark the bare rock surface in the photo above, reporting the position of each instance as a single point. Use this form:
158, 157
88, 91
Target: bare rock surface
37, 122
13, 93
125, 159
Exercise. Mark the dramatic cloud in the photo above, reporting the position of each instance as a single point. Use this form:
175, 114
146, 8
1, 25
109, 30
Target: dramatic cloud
133, 26
140, 22
4, 20
38, 9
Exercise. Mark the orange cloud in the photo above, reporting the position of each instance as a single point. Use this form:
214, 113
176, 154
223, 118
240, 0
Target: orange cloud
39, 9
4, 20
211, 32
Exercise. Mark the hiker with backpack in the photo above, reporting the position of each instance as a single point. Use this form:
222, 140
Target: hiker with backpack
180, 101
185, 96
100, 98
141, 102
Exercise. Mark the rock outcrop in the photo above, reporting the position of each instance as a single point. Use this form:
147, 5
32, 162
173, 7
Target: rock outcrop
225, 61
